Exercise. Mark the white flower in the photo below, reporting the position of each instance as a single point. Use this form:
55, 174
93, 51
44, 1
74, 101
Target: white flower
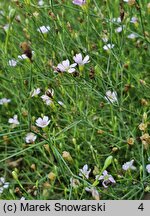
108, 46
126, 0
94, 192
134, 20
35, 92
23, 56
148, 168
43, 29
119, 29
40, 2
30, 138
132, 36
84, 172
12, 63
4, 101
14, 120
43, 122
47, 99
111, 97
3, 184
66, 67
79, 60
106, 178
74, 182
128, 165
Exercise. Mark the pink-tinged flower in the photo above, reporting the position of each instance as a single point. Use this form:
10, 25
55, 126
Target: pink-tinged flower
44, 29
128, 165
35, 92
79, 2
47, 99
119, 29
111, 97
14, 120
79, 60
30, 138
66, 67
4, 101
84, 172
107, 179
148, 168
43, 122
134, 20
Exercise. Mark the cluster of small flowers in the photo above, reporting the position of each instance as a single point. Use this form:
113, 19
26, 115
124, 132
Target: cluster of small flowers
111, 97
40, 122
84, 172
65, 65
105, 177
119, 29
47, 97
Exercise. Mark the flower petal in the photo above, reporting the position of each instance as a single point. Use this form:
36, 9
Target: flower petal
86, 59
71, 70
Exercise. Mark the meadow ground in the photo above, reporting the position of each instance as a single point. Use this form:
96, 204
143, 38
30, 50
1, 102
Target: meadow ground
74, 99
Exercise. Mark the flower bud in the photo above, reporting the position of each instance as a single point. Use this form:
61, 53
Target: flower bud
66, 155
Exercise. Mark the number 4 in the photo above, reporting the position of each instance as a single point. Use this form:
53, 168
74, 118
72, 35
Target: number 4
141, 207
